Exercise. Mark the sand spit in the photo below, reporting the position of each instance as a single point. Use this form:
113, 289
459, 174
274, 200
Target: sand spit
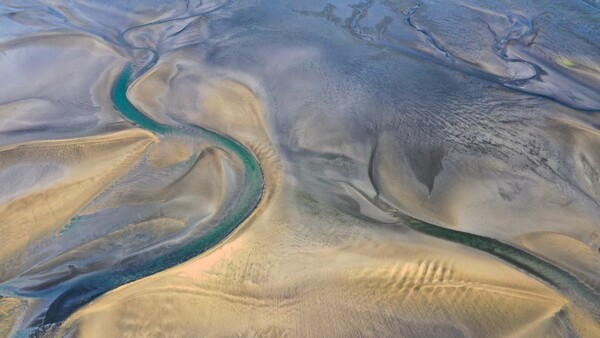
84, 167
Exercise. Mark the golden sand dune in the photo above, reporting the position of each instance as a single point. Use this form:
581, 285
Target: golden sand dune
86, 165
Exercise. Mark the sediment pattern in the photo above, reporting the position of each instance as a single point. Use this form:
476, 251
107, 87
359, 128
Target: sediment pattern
264, 168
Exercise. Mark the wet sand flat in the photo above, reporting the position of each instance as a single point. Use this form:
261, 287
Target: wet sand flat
305, 169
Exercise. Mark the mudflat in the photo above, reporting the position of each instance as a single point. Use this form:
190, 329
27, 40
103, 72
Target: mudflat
285, 168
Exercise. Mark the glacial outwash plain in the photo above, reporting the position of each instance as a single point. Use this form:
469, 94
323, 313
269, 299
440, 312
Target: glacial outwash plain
229, 168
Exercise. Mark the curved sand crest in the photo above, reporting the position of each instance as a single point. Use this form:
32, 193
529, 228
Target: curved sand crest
288, 283
185, 201
179, 89
314, 271
188, 184
89, 165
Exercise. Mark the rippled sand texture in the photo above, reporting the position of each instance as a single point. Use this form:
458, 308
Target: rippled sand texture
300, 168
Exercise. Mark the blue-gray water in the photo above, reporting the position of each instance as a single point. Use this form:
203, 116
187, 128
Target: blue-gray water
479, 119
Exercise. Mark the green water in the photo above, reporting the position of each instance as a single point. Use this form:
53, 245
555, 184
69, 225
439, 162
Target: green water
569, 285
82, 290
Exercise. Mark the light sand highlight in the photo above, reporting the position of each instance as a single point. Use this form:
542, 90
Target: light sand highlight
91, 164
